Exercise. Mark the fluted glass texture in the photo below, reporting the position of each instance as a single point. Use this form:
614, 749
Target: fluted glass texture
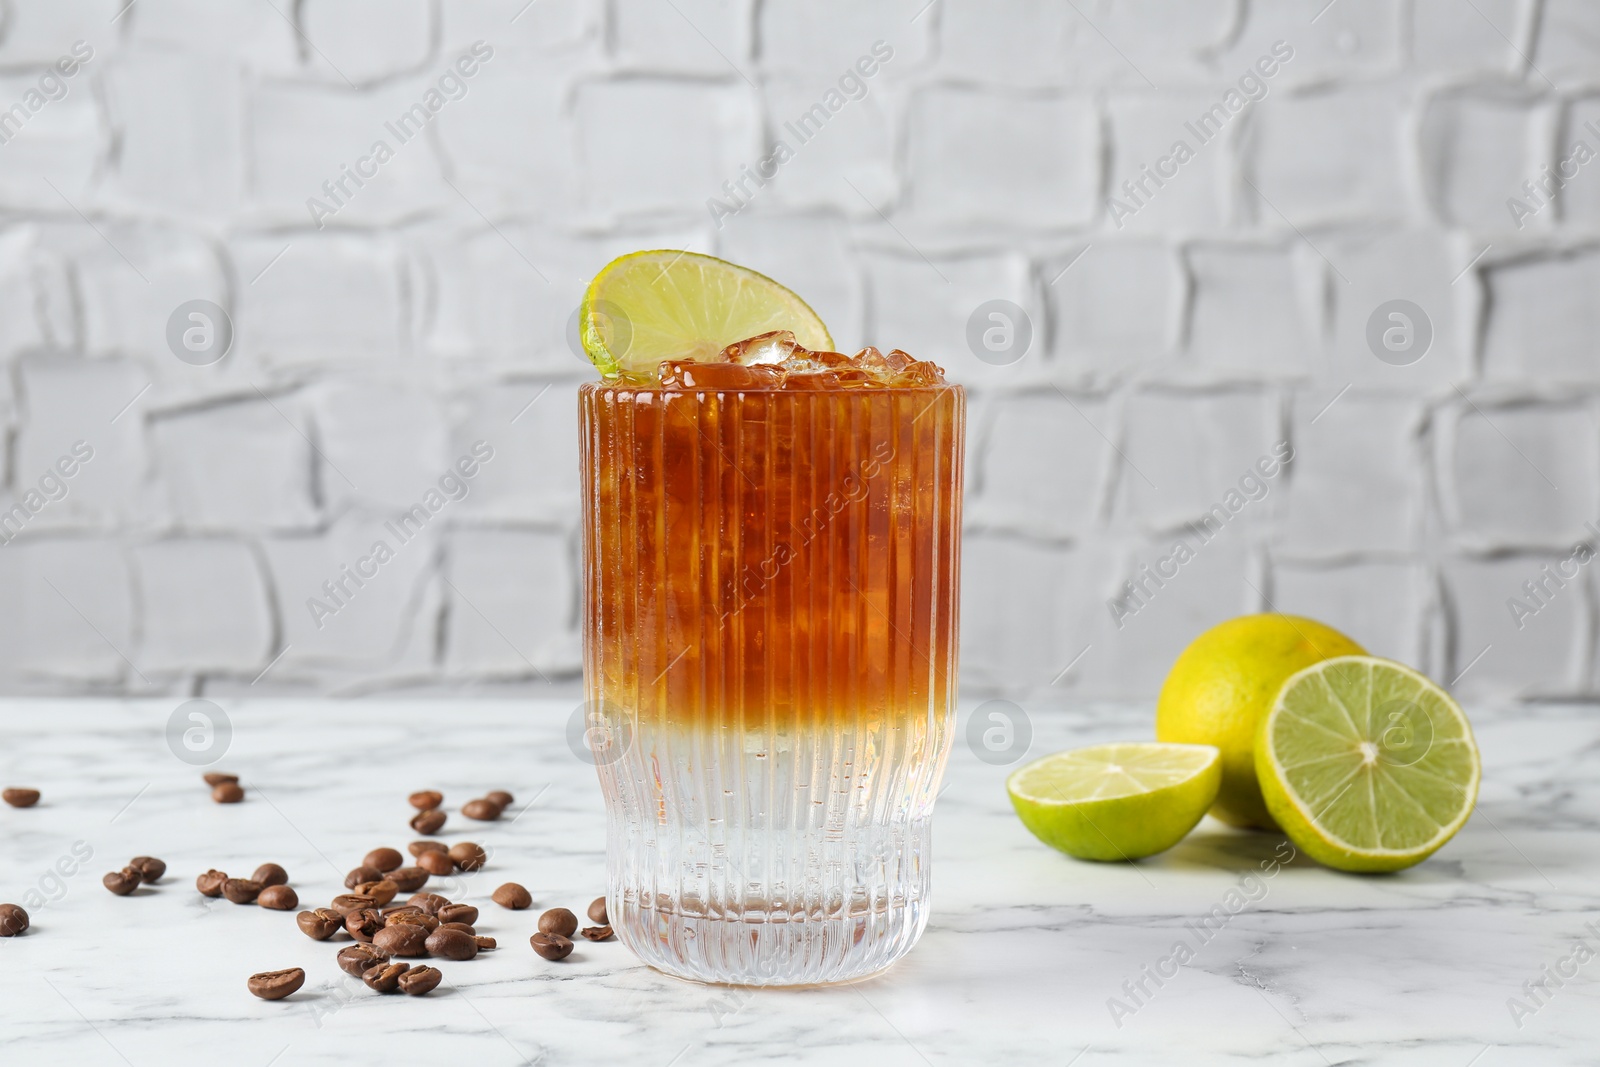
770, 621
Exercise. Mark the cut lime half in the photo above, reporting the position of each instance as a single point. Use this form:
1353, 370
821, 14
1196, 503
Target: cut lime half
1117, 802
646, 307
1367, 764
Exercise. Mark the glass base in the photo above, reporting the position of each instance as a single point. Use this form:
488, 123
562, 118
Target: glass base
778, 950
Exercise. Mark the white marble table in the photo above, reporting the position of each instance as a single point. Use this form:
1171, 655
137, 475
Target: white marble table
1024, 953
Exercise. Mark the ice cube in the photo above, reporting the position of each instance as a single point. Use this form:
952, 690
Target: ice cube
690, 374
763, 349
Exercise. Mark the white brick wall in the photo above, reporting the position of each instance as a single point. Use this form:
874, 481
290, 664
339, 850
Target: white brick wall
1172, 347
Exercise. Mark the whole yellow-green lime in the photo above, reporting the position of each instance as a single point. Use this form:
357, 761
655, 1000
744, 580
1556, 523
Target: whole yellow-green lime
1225, 682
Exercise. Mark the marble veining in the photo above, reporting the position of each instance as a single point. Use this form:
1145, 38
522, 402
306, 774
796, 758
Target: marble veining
1030, 957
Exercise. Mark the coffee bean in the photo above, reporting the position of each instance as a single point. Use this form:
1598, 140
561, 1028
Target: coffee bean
513, 896
597, 933
428, 822
20, 798
362, 874
452, 944
275, 985
417, 848
213, 779
486, 943
597, 911
438, 863
426, 800
430, 903
345, 903
458, 913
465, 928
241, 890
150, 869
381, 892
363, 924
122, 882
558, 921
482, 809
321, 924
402, 939
355, 959
228, 793
551, 946
413, 918
210, 883
13, 920
468, 856
419, 981
384, 859
500, 798
279, 898
385, 977
270, 874
408, 879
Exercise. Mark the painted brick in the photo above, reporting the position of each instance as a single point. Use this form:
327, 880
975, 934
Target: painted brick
40, 33
382, 444
238, 465
1522, 474
1444, 42
71, 612
1349, 39
1042, 464
1543, 656
1477, 150
711, 37
1255, 309
846, 162
1331, 155
823, 39
204, 607
533, 429
178, 116
67, 400
257, 37
329, 297
978, 156
510, 603
1378, 605
809, 255
1115, 305
1182, 453
359, 41
1542, 321
1145, 133
1355, 483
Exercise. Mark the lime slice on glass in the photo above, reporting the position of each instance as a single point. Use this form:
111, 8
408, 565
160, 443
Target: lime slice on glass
1117, 802
645, 307
1366, 764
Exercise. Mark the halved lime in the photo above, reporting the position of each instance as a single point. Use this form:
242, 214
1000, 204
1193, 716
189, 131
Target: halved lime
646, 307
1117, 802
1366, 764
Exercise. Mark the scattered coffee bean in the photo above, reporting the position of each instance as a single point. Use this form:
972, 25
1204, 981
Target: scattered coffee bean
213, 779
428, 822
419, 981
362, 924
426, 800
150, 869
210, 883
413, 918
321, 924
122, 882
438, 863
458, 913
417, 848
275, 985
558, 921
13, 920
430, 903
381, 892
228, 793
513, 896
20, 798
551, 946
385, 977
597, 933
597, 911
384, 859
468, 856
345, 903
241, 890
486, 943
362, 874
408, 879
470, 931
270, 874
452, 944
355, 959
500, 798
482, 809
402, 939
279, 898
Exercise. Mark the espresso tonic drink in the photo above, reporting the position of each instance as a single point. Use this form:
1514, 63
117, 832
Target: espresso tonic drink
771, 556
